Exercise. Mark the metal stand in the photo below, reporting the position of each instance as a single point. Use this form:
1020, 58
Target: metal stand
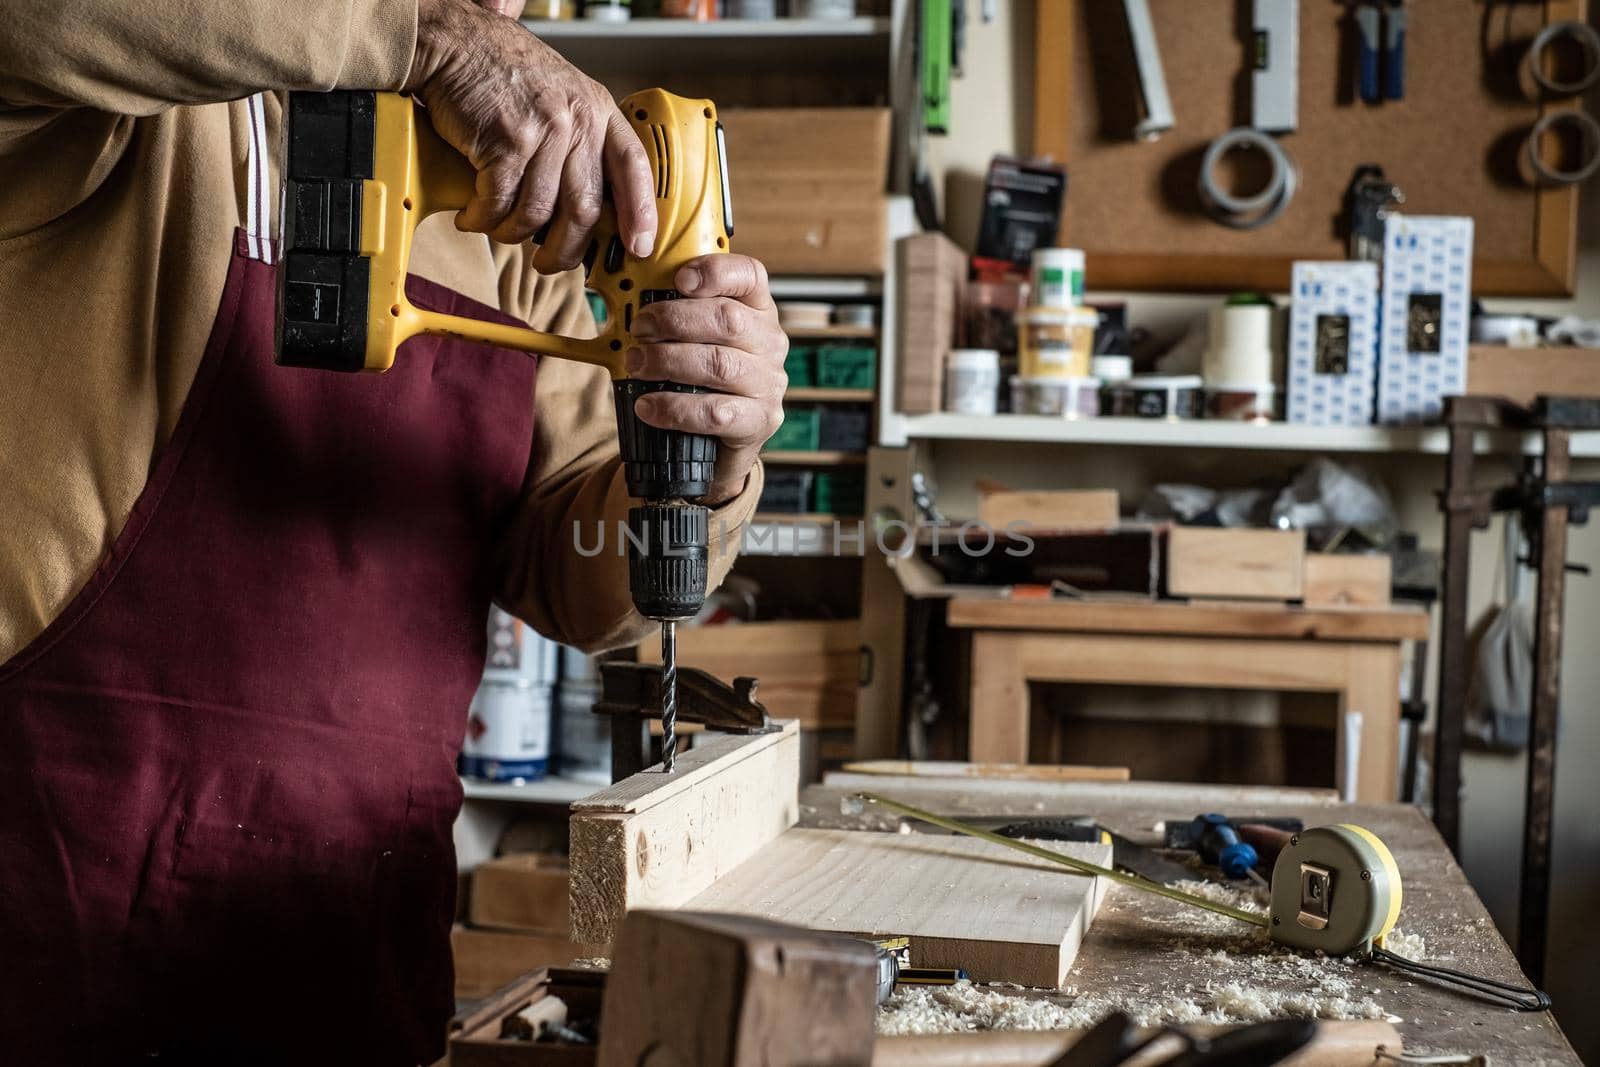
1547, 503
631, 694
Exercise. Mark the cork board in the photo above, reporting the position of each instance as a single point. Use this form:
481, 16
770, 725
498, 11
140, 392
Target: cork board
1453, 144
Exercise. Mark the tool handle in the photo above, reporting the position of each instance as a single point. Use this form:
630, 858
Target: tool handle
1394, 55
1368, 25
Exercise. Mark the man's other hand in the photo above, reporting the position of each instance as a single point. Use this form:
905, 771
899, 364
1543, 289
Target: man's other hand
544, 137
725, 336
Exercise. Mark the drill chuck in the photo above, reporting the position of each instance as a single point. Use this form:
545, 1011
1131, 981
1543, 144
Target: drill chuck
667, 559
661, 464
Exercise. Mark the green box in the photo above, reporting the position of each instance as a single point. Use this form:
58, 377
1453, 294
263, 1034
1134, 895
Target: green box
846, 366
801, 365
801, 431
840, 492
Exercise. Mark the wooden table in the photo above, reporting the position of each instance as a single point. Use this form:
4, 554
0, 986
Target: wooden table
1354, 653
1132, 945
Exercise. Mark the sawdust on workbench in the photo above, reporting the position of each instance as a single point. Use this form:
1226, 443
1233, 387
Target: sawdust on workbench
1215, 970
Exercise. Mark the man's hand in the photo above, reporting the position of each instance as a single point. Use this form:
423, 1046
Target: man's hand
725, 336
541, 134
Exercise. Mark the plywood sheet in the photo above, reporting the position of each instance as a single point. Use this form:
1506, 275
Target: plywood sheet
963, 902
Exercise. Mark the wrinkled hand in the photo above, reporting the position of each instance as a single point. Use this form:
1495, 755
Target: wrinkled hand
544, 137
724, 335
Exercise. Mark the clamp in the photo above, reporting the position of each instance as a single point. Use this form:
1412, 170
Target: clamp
630, 693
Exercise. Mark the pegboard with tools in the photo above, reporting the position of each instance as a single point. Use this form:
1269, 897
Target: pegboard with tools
1444, 95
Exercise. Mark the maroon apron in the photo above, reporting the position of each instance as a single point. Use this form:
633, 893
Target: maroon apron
227, 770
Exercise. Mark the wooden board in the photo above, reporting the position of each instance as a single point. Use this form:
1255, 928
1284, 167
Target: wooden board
526, 893
655, 840
1342, 580
1016, 772
1453, 144
933, 279
1237, 564
1520, 374
1399, 623
999, 915
809, 670
1095, 509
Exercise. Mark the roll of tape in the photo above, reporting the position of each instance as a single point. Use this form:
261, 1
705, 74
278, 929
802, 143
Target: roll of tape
1247, 212
1586, 37
1588, 130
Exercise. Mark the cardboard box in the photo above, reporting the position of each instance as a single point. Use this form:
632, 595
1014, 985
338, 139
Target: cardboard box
526, 892
1206, 561
933, 279
807, 186
1333, 343
1343, 580
1427, 308
1080, 509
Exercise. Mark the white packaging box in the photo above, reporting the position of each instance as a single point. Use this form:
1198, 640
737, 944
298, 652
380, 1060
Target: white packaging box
1427, 308
1333, 343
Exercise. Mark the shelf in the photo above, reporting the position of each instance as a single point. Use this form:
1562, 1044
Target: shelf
814, 459
834, 332
725, 29
1274, 436
793, 518
824, 287
825, 395
552, 790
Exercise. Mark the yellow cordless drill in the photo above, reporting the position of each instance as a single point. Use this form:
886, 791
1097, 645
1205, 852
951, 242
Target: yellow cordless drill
364, 168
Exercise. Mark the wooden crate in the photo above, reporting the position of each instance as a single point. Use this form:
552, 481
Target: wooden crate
1342, 580
1205, 561
485, 960
1520, 374
475, 1035
1078, 509
524, 893
808, 670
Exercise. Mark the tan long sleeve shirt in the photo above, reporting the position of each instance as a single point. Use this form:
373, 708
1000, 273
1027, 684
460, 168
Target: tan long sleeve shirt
124, 144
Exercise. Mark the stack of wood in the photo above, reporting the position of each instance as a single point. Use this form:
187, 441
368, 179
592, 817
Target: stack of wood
933, 276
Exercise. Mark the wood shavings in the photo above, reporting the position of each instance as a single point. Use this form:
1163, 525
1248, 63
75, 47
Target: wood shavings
592, 963
1214, 969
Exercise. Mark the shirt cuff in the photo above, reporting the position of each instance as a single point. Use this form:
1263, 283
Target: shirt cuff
381, 46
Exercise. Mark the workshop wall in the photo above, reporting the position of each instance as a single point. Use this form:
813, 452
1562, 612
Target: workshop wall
992, 113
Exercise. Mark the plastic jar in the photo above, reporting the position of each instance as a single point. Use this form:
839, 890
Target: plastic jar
1056, 342
1073, 398
1057, 277
972, 381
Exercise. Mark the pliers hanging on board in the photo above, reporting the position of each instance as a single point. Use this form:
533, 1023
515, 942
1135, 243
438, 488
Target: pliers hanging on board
1381, 26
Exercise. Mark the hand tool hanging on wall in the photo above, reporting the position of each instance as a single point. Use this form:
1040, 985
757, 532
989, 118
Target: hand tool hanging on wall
1153, 98
1561, 121
1368, 200
1274, 108
1381, 27
364, 168
1335, 890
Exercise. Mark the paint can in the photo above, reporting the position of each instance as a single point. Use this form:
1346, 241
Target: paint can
1242, 403
752, 9
583, 738
517, 653
972, 381
607, 10
1056, 276
1072, 398
823, 9
855, 315
1163, 396
508, 732
1056, 342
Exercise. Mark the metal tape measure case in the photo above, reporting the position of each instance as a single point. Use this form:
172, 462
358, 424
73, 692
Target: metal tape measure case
1335, 889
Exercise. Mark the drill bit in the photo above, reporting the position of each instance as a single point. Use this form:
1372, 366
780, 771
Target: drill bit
669, 694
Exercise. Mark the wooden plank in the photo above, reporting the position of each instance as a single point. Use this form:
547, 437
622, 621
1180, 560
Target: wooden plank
526, 892
1238, 564
809, 670
1094, 509
963, 902
655, 840
1520, 374
1398, 623
1342, 580
1015, 772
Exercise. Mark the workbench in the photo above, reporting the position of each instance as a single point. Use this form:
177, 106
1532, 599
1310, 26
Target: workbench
1354, 653
1145, 943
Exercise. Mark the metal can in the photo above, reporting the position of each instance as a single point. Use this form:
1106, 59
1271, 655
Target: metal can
508, 732
517, 653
